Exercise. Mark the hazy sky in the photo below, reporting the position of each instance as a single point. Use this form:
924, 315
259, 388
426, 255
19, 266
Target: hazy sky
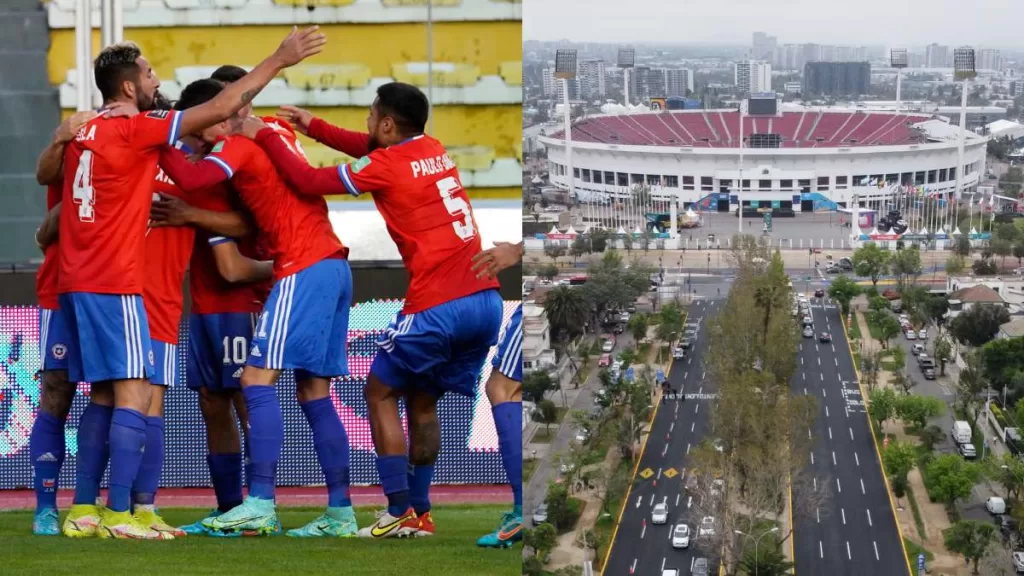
993, 23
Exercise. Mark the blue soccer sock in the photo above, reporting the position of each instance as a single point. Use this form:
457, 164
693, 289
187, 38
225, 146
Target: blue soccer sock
394, 479
148, 479
332, 449
266, 435
508, 420
46, 446
420, 477
93, 451
127, 447
226, 475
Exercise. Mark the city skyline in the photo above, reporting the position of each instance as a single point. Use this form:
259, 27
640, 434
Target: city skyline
791, 21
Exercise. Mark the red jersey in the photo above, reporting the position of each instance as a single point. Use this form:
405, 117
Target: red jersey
295, 228
109, 169
46, 277
417, 190
211, 293
168, 250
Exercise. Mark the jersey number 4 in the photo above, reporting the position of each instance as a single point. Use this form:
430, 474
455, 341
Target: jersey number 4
457, 207
82, 190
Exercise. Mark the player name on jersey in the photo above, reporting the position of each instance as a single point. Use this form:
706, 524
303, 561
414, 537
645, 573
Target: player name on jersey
431, 166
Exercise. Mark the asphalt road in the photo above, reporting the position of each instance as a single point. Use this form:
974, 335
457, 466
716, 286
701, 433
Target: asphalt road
853, 532
641, 547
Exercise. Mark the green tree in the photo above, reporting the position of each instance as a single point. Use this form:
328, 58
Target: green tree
1001, 361
951, 478
541, 539
546, 414
598, 240
1001, 248
562, 513
955, 262
900, 458
979, 324
937, 306
566, 310
536, 384
638, 326
871, 261
918, 410
961, 247
970, 382
906, 265
670, 322
887, 327
554, 250
843, 290
878, 304
579, 247
943, 354
547, 271
970, 539
1008, 471
930, 435
882, 405
769, 561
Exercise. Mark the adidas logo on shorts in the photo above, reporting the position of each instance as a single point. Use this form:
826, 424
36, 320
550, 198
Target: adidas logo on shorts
255, 352
48, 457
237, 374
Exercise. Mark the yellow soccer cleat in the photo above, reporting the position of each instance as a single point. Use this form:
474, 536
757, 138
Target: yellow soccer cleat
150, 519
82, 521
124, 525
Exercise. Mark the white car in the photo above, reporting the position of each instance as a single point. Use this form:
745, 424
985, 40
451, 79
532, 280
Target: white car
681, 536
678, 353
707, 526
1018, 562
922, 334
911, 335
808, 321
660, 513
582, 435
607, 346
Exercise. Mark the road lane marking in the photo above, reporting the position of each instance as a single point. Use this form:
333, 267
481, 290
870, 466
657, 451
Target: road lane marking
703, 375
638, 499
822, 376
689, 502
685, 374
819, 361
851, 433
817, 514
696, 407
652, 500
869, 518
862, 491
692, 559
848, 556
663, 559
812, 458
857, 458
808, 433
815, 483
670, 528
821, 551
829, 432
824, 392
671, 427
837, 360
659, 469
803, 376
677, 499
692, 424
664, 451
875, 544
843, 512
838, 485
633, 567
834, 458
826, 411
643, 531
687, 448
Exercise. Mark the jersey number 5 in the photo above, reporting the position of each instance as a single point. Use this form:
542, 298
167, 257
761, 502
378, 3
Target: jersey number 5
457, 207
82, 191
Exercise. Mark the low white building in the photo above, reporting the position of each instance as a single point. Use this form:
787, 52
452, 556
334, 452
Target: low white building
537, 351
967, 292
1012, 329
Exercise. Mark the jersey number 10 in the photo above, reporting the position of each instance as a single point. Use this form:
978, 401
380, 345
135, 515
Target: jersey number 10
82, 191
457, 207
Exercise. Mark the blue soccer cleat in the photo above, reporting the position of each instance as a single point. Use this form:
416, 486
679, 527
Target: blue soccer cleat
341, 524
508, 533
197, 528
45, 523
254, 516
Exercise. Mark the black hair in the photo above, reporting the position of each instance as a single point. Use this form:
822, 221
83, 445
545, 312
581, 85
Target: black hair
197, 93
114, 65
228, 73
161, 102
405, 104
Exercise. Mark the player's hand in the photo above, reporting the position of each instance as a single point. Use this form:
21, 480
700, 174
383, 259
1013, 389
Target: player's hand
68, 128
170, 211
121, 110
493, 260
251, 126
297, 117
299, 45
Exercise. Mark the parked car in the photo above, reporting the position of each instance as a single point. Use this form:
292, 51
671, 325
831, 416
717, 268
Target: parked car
922, 334
540, 514
929, 373
604, 361
1007, 525
824, 338
619, 329
678, 353
911, 335
808, 321
996, 506
608, 345
1018, 562
922, 357
926, 363
700, 567
808, 332
917, 349
681, 536
707, 526
968, 451
660, 513
846, 264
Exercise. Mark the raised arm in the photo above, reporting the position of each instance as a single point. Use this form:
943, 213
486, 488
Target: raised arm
187, 175
50, 166
48, 230
174, 211
234, 267
295, 48
302, 177
355, 144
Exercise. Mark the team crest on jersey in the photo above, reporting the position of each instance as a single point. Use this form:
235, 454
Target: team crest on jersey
218, 147
158, 114
152, 359
360, 164
59, 351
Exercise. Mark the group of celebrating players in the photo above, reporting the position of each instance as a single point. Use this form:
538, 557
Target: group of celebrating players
141, 190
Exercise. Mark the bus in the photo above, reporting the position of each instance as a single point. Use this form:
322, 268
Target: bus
577, 280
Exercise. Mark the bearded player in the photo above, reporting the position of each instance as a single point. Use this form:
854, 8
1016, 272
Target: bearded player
451, 318
108, 172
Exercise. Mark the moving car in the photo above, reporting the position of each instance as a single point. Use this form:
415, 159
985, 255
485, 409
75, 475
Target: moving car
605, 361
619, 329
608, 345
700, 567
911, 335
808, 321
917, 349
968, 451
929, 373
996, 505
660, 513
681, 536
808, 332
678, 353
819, 293
540, 514
922, 334
707, 526
825, 338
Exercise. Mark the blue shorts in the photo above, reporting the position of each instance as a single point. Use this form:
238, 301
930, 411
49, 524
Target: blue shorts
53, 340
304, 324
218, 345
165, 356
108, 337
441, 349
509, 359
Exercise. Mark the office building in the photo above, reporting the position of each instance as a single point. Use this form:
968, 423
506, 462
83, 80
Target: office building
937, 56
989, 59
752, 76
592, 84
678, 81
836, 78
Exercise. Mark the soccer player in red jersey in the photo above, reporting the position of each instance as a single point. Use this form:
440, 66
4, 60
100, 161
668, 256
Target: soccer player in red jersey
451, 318
303, 327
108, 172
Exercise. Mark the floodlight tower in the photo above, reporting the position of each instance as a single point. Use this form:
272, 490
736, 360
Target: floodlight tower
565, 70
898, 60
963, 69
627, 59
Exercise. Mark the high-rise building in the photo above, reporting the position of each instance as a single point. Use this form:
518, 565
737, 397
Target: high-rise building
552, 87
646, 83
936, 56
592, 73
811, 53
1016, 89
836, 78
752, 76
764, 46
989, 59
678, 81
548, 81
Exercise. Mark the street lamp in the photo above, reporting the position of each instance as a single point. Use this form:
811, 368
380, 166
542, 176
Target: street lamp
565, 70
626, 60
898, 60
963, 69
756, 541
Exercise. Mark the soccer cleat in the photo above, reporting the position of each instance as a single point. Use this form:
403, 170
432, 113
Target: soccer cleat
508, 533
152, 520
82, 521
254, 515
45, 523
426, 524
197, 527
276, 531
387, 526
327, 526
123, 525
